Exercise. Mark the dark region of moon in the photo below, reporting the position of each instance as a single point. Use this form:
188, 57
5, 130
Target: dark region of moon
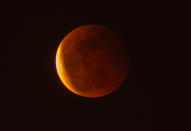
92, 61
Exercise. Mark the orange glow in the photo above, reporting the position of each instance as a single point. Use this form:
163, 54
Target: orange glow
91, 61
61, 71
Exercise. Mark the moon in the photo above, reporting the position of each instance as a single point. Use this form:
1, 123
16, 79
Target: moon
91, 61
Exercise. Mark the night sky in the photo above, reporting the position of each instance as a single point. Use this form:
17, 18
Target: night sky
34, 97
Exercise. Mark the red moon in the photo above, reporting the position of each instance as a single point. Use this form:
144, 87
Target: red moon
91, 61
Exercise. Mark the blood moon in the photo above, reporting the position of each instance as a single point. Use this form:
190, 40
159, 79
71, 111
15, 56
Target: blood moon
91, 61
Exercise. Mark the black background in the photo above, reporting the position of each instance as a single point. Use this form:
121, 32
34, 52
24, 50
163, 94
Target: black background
34, 97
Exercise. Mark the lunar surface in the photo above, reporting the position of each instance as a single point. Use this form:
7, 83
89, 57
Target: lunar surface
91, 61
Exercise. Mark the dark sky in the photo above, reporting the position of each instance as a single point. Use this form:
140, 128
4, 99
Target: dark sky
36, 99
